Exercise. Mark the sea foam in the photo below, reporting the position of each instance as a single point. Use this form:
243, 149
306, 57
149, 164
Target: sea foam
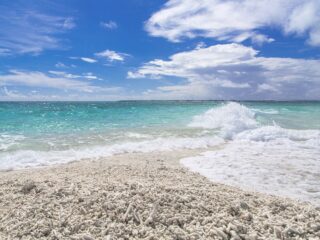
7, 141
31, 158
264, 158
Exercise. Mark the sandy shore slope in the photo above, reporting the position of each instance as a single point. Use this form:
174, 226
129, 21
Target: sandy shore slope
142, 196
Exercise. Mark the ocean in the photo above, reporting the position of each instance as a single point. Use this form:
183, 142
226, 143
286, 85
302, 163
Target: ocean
271, 147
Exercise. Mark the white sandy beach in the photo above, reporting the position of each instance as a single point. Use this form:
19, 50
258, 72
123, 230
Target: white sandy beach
142, 196
160, 120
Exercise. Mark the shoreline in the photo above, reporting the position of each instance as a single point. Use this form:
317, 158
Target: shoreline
142, 195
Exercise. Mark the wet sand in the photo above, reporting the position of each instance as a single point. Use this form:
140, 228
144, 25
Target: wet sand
142, 196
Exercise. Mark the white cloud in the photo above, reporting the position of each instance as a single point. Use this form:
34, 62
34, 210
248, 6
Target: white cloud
30, 31
259, 39
85, 59
266, 87
89, 60
62, 65
11, 93
91, 76
57, 80
88, 76
109, 25
236, 20
4, 52
111, 55
135, 75
233, 71
201, 45
64, 74
69, 23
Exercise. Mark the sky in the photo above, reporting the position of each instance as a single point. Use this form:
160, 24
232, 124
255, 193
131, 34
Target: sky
81, 50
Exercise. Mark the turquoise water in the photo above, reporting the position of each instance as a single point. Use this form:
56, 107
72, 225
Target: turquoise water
48, 126
64, 125
45, 126
35, 134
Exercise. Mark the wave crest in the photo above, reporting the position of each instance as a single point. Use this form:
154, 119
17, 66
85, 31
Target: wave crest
231, 118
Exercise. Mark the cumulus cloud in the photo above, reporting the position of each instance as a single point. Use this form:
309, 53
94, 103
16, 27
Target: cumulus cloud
109, 25
25, 30
236, 20
233, 71
56, 80
112, 56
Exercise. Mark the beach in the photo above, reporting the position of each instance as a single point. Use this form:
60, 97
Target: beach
169, 120
142, 196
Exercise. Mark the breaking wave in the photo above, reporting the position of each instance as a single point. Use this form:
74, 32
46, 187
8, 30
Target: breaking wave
257, 157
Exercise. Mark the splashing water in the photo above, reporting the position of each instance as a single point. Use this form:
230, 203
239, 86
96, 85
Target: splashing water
268, 158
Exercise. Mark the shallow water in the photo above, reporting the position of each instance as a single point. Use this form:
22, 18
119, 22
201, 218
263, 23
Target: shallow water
265, 146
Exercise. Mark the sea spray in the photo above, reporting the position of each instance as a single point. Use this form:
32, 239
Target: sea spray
230, 119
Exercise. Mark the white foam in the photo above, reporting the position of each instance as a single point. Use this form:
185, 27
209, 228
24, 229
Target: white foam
29, 158
138, 135
231, 118
278, 167
263, 158
269, 133
7, 141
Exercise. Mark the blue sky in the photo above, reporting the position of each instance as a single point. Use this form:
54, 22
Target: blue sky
176, 49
